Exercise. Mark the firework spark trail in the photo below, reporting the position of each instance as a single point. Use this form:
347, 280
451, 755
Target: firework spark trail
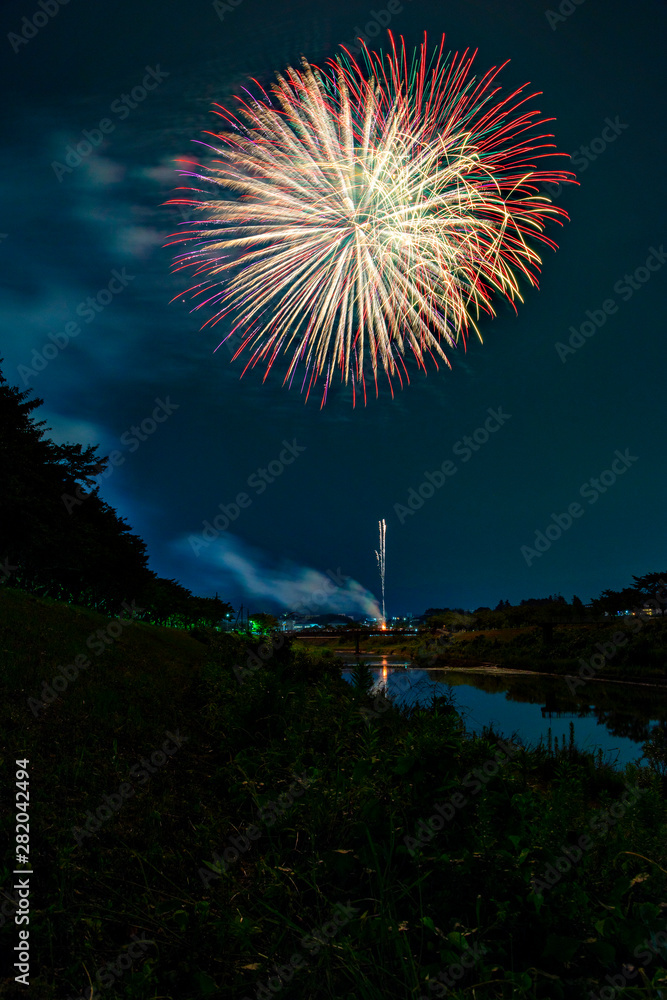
361, 211
381, 565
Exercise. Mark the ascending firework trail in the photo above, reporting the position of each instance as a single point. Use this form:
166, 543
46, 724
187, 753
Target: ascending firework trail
381, 565
360, 209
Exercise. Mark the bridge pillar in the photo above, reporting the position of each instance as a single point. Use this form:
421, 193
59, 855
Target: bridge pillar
547, 632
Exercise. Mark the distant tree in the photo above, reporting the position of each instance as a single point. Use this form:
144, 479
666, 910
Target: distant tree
458, 621
264, 622
653, 587
613, 602
486, 618
437, 620
454, 620
538, 610
165, 602
578, 607
209, 612
517, 615
60, 539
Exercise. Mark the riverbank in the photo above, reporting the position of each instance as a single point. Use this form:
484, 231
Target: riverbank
631, 651
496, 670
226, 817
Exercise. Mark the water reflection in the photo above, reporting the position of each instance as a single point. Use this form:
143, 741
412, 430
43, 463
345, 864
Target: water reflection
619, 723
614, 718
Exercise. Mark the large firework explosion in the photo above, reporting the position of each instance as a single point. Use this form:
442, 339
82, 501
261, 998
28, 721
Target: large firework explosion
357, 210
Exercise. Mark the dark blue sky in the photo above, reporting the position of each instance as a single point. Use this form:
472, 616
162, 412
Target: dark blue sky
96, 230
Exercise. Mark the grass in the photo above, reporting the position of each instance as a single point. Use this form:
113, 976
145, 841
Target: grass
275, 834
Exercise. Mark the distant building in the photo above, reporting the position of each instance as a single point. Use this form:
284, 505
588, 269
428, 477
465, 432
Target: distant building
296, 622
650, 611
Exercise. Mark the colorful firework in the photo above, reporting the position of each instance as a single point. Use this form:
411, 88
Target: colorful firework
358, 211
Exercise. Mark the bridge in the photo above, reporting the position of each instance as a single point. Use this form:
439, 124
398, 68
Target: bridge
356, 634
546, 627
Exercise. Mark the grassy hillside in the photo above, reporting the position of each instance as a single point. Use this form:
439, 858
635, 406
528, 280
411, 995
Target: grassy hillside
219, 819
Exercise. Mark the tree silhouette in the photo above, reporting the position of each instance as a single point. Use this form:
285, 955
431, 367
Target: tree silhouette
59, 538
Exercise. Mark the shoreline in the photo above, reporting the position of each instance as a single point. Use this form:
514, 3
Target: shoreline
497, 670
493, 669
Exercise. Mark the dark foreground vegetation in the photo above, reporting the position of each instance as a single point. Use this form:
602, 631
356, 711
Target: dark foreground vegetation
204, 831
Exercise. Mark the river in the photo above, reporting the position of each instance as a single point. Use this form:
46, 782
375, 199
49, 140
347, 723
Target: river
614, 718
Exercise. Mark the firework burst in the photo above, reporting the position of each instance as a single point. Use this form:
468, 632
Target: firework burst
358, 212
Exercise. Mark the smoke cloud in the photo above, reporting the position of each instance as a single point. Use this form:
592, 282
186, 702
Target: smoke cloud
285, 583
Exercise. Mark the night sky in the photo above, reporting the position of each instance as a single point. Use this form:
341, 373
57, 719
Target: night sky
97, 229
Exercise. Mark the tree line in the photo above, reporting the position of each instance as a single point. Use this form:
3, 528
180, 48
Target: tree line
647, 592
58, 537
